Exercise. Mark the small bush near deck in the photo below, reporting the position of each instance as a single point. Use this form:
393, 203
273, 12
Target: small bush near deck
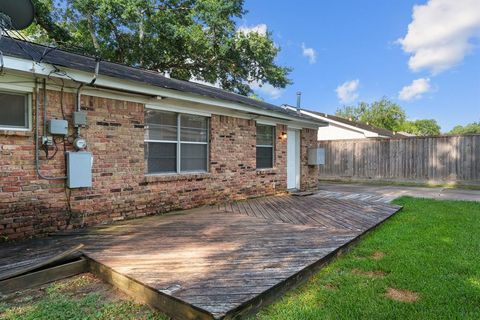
424, 263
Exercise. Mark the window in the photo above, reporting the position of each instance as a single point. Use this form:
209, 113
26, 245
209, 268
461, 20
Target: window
175, 142
265, 146
14, 111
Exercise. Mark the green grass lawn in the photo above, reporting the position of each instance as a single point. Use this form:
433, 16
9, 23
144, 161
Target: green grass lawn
424, 263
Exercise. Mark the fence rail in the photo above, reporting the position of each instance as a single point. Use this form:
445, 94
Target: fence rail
418, 159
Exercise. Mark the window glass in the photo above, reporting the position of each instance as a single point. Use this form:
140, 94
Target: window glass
265, 135
161, 157
264, 157
160, 125
171, 149
194, 157
13, 110
265, 146
193, 128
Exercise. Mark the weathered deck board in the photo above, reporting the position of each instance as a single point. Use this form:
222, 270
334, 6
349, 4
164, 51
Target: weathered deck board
34, 255
217, 260
313, 210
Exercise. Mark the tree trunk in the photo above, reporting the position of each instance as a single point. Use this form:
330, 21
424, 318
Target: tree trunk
91, 29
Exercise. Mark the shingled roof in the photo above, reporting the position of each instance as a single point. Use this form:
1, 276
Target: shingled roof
61, 58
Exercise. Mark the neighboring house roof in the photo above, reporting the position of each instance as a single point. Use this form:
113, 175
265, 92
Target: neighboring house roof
39, 53
363, 126
405, 134
384, 133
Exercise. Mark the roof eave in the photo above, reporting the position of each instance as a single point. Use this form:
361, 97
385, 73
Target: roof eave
45, 69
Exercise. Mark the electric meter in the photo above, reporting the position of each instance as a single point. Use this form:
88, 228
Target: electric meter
80, 143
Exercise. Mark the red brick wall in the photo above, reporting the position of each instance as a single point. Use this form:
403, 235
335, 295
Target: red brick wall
308, 139
30, 206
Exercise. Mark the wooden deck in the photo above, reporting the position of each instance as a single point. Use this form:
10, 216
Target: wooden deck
225, 261
315, 210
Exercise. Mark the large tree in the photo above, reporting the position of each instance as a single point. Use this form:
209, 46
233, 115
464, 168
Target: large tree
470, 128
188, 39
422, 127
383, 114
389, 115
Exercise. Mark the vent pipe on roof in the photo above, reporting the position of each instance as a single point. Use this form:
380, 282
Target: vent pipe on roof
299, 98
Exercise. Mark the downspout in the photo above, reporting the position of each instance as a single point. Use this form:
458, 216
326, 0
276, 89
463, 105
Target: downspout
37, 160
44, 102
79, 97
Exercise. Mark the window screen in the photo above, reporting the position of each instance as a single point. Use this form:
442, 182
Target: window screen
175, 142
161, 157
14, 111
265, 146
193, 157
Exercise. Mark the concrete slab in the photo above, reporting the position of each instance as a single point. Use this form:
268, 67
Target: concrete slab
386, 193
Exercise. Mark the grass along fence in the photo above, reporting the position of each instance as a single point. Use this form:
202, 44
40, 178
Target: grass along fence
432, 160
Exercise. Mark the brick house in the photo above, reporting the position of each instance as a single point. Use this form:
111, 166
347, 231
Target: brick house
154, 144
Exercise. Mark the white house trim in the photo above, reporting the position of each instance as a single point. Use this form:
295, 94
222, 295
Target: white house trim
339, 130
367, 133
45, 69
14, 88
170, 107
266, 122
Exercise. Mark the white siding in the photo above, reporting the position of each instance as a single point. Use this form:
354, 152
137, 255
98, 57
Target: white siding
334, 132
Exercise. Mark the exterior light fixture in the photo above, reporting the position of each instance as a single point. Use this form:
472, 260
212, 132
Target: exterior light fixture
283, 136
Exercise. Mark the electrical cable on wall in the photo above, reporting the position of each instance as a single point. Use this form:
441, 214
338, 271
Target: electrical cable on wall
68, 192
37, 149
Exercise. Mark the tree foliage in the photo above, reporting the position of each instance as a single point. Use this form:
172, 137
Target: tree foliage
389, 115
470, 128
423, 127
185, 38
383, 114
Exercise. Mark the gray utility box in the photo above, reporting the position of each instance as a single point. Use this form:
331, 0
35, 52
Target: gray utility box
316, 156
58, 127
79, 119
79, 169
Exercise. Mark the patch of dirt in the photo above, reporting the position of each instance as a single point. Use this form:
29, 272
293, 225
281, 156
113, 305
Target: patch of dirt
75, 287
86, 283
378, 255
330, 286
402, 295
371, 274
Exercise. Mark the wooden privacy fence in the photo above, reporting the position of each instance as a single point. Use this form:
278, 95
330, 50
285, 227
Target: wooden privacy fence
443, 159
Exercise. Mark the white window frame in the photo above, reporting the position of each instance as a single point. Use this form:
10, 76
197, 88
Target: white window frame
274, 134
28, 97
179, 143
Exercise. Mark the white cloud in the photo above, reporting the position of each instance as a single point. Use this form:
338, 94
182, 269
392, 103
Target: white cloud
310, 53
267, 89
415, 90
441, 33
348, 91
261, 29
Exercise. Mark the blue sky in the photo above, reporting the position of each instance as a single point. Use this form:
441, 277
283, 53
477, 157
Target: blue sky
330, 43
